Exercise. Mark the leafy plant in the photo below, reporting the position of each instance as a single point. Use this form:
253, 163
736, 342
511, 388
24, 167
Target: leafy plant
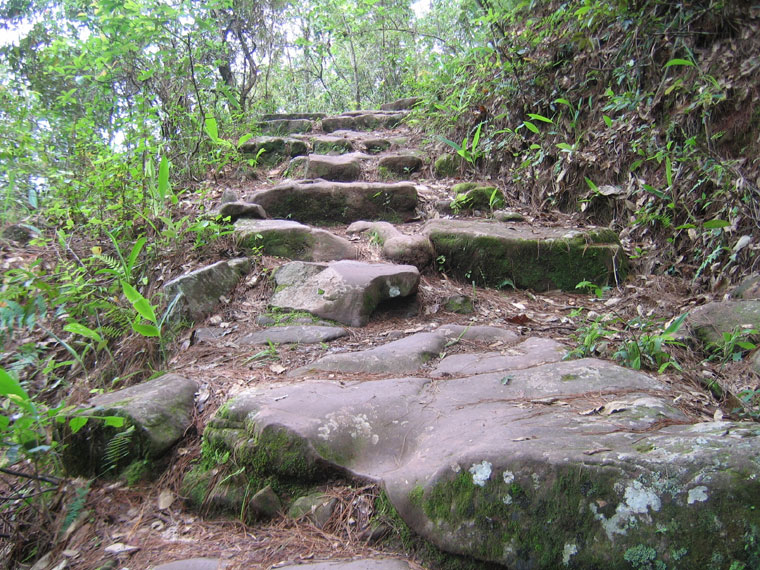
147, 312
648, 350
467, 150
733, 345
592, 340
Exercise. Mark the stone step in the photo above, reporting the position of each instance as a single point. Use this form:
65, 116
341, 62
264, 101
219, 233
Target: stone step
289, 239
495, 254
276, 149
340, 168
330, 203
344, 291
286, 126
514, 458
363, 120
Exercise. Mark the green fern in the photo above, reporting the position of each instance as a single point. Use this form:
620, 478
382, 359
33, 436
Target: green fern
117, 449
76, 505
113, 265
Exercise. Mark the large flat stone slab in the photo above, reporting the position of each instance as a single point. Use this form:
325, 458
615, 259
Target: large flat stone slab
363, 121
304, 334
343, 291
158, 412
410, 353
322, 202
579, 464
289, 239
526, 256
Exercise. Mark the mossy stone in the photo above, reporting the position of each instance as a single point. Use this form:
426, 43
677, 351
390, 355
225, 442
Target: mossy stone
447, 165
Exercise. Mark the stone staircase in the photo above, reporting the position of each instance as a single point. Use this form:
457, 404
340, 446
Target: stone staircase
485, 441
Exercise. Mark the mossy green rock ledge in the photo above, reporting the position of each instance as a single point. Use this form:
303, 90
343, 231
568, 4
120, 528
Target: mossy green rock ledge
525, 256
527, 464
157, 413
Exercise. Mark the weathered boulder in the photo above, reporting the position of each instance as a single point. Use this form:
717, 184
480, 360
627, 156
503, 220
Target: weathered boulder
303, 334
400, 104
711, 320
197, 293
157, 413
264, 505
343, 291
363, 121
473, 196
237, 209
400, 164
408, 354
275, 149
285, 238
286, 126
527, 256
340, 168
317, 507
579, 463
413, 249
321, 202
448, 165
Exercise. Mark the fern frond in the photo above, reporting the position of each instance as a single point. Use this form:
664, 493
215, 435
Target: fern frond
117, 449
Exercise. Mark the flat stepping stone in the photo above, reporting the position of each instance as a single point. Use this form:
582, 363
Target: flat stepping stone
401, 104
197, 293
324, 203
343, 291
363, 564
527, 256
363, 121
397, 247
307, 334
401, 164
405, 355
286, 126
276, 149
574, 463
289, 239
338, 168
529, 353
160, 412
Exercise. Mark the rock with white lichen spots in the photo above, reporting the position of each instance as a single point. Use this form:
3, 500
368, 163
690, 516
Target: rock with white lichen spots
517, 458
